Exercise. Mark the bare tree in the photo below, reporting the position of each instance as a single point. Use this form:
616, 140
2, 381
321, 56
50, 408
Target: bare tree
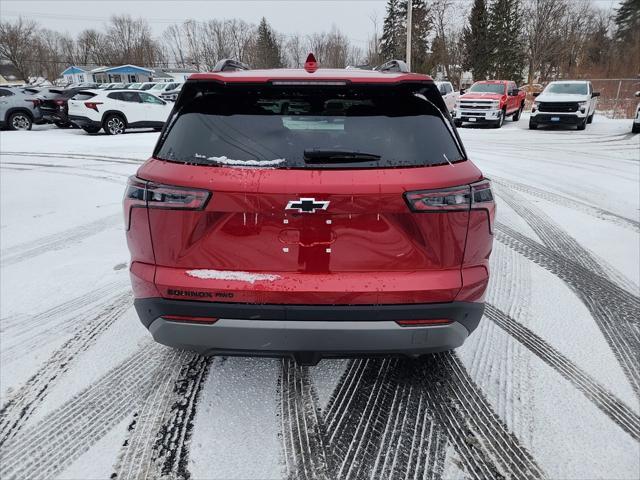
16, 45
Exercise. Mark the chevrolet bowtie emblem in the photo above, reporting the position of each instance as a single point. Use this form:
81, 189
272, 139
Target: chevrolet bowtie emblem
307, 205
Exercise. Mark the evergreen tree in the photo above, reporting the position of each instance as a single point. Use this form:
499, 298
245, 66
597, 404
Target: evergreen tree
505, 33
627, 21
267, 47
392, 33
477, 43
393, 44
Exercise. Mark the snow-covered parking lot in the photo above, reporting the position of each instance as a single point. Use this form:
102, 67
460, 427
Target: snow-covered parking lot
547, 387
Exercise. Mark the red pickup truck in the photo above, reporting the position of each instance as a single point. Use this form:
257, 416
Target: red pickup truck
490, 101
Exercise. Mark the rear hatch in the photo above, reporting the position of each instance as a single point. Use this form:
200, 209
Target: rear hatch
323, 194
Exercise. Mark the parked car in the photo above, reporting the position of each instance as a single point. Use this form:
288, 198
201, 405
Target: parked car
134, 86
636, 121
449, 94
565, 102
115, 111
171, 95
146, 85
490, 102
53, 103
159, 88
19, 110
278, 219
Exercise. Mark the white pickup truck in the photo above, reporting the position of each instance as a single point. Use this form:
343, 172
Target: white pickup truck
449, 95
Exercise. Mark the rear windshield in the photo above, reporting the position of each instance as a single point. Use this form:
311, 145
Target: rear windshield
568, 88
308, 127
83, 96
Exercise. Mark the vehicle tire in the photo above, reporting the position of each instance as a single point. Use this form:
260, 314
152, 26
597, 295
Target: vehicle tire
533, 126
20, 121
500, 121
518, 114
114, 124
590, 118
582, 125
91, 129
457, 123
635, 128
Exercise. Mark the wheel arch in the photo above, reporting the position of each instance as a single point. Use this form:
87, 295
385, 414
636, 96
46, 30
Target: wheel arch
13, 110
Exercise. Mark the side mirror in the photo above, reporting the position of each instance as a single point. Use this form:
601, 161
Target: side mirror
463, 91
595, 94
535, 94
638, 93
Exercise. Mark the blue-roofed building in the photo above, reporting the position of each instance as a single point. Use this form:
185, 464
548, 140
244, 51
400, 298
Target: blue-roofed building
122, 73
77, 74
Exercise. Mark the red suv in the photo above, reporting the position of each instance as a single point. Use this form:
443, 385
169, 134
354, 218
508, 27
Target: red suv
310, 213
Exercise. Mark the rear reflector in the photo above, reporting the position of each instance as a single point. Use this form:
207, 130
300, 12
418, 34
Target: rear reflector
141, 193
187, 318
424, 322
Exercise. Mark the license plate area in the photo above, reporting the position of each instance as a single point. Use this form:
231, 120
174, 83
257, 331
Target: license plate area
555, 119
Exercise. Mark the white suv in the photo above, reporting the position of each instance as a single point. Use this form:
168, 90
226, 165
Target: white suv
117, 110
449, 95
568, 102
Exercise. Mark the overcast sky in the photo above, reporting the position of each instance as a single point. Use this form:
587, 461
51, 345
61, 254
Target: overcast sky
353, 17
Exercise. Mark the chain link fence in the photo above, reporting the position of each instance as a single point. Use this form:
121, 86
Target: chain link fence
617, 96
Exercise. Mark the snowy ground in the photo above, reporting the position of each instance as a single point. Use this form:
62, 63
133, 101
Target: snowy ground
548, 386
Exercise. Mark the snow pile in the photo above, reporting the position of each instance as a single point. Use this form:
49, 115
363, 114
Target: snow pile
232, 275
242, 163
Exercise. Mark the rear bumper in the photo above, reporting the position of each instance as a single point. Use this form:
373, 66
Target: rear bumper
84, 121
310, 332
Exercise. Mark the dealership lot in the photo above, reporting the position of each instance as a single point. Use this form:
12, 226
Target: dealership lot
552, 368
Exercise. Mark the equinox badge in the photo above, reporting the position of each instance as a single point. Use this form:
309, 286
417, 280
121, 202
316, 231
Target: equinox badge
307, 205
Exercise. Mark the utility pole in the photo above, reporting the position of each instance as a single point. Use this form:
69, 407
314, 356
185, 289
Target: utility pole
409, 28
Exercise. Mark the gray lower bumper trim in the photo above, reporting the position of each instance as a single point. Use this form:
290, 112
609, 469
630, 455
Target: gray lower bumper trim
324, 338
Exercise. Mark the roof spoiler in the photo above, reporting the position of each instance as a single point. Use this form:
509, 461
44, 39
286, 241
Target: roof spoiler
230, 65
393, 66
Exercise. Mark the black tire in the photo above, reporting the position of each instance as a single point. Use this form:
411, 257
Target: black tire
518, 114
582, 125
20, 121
457, 123
635, 128
533, 126
500, 121
114, 124
590, 118
91, 129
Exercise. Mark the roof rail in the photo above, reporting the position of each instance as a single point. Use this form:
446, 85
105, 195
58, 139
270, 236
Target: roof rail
230, 65
393, 66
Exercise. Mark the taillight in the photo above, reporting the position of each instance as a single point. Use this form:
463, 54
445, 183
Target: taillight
59, 102
92, 105
482, 199
141, 193
423, 322
188, 318
446, 199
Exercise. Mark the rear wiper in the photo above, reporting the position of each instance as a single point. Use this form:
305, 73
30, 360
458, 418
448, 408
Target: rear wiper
338, 156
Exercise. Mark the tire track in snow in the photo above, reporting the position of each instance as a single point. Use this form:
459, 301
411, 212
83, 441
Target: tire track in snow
17, 410
614, 310
44, 450
57, 241
104, 158
157, 446
303, 435
602, 398
482, 440
559, 240
568, 202
69, 171
28, 333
